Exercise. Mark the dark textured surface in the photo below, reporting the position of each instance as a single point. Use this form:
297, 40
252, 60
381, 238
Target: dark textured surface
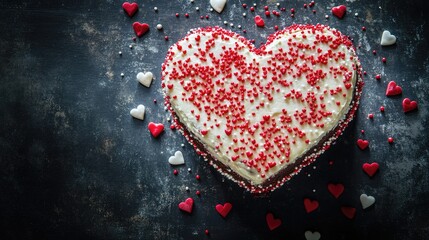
75, 165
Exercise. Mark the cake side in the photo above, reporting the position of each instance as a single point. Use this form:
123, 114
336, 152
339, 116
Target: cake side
260, 115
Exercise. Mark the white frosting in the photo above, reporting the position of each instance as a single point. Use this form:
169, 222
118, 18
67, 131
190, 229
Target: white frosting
216, 141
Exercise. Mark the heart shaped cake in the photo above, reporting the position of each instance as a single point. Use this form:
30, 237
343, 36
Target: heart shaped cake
259, 115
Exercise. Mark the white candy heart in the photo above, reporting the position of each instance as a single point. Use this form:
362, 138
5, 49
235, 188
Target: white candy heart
387, 39
309, 235
366, 200
218, 5
145, 78
177, 159
138, 112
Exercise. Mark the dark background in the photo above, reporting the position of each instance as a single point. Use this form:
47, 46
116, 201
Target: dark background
75, 165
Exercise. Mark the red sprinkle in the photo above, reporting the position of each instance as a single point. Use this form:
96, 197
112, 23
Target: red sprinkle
175, 172
197, 177
370, 116
377, 77
384, 60
259, 21
390, 139
382, 109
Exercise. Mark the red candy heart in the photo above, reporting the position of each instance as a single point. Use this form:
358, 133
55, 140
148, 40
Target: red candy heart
393, 89
310, 205
336, 189
362, 144
370, 169
130, 8
349, 212
339, 11
187, 205
223, 210
408, 105
155, 128
259, 21
272, 222
140, 28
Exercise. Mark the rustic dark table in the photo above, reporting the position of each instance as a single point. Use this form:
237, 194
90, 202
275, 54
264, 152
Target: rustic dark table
75, 165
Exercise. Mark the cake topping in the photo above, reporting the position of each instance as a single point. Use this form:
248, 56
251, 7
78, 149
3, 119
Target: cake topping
155, 128
187, 205
218, 5
145, 78
272, 222
138, 112
336, 189
387, 39
349, 212
362, 144
177, 159
309, 235
224, 209
339, 11
130, 8
140, 28
370, 168
393, 89
310, 205
259, 21
408, 105
366, 201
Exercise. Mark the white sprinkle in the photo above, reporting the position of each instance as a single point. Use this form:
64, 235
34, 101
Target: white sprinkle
244, 14
186, 188
155, 9
192, 1
189, 169
314, 167
326, 16
231, 24
225, 22
356, 14
131, 46
309, 175
314, 190
197, 8
159, 26
254, 4
122, 74
277, 4
120, 53
182, 145
168, 119
211, 9
239, 26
